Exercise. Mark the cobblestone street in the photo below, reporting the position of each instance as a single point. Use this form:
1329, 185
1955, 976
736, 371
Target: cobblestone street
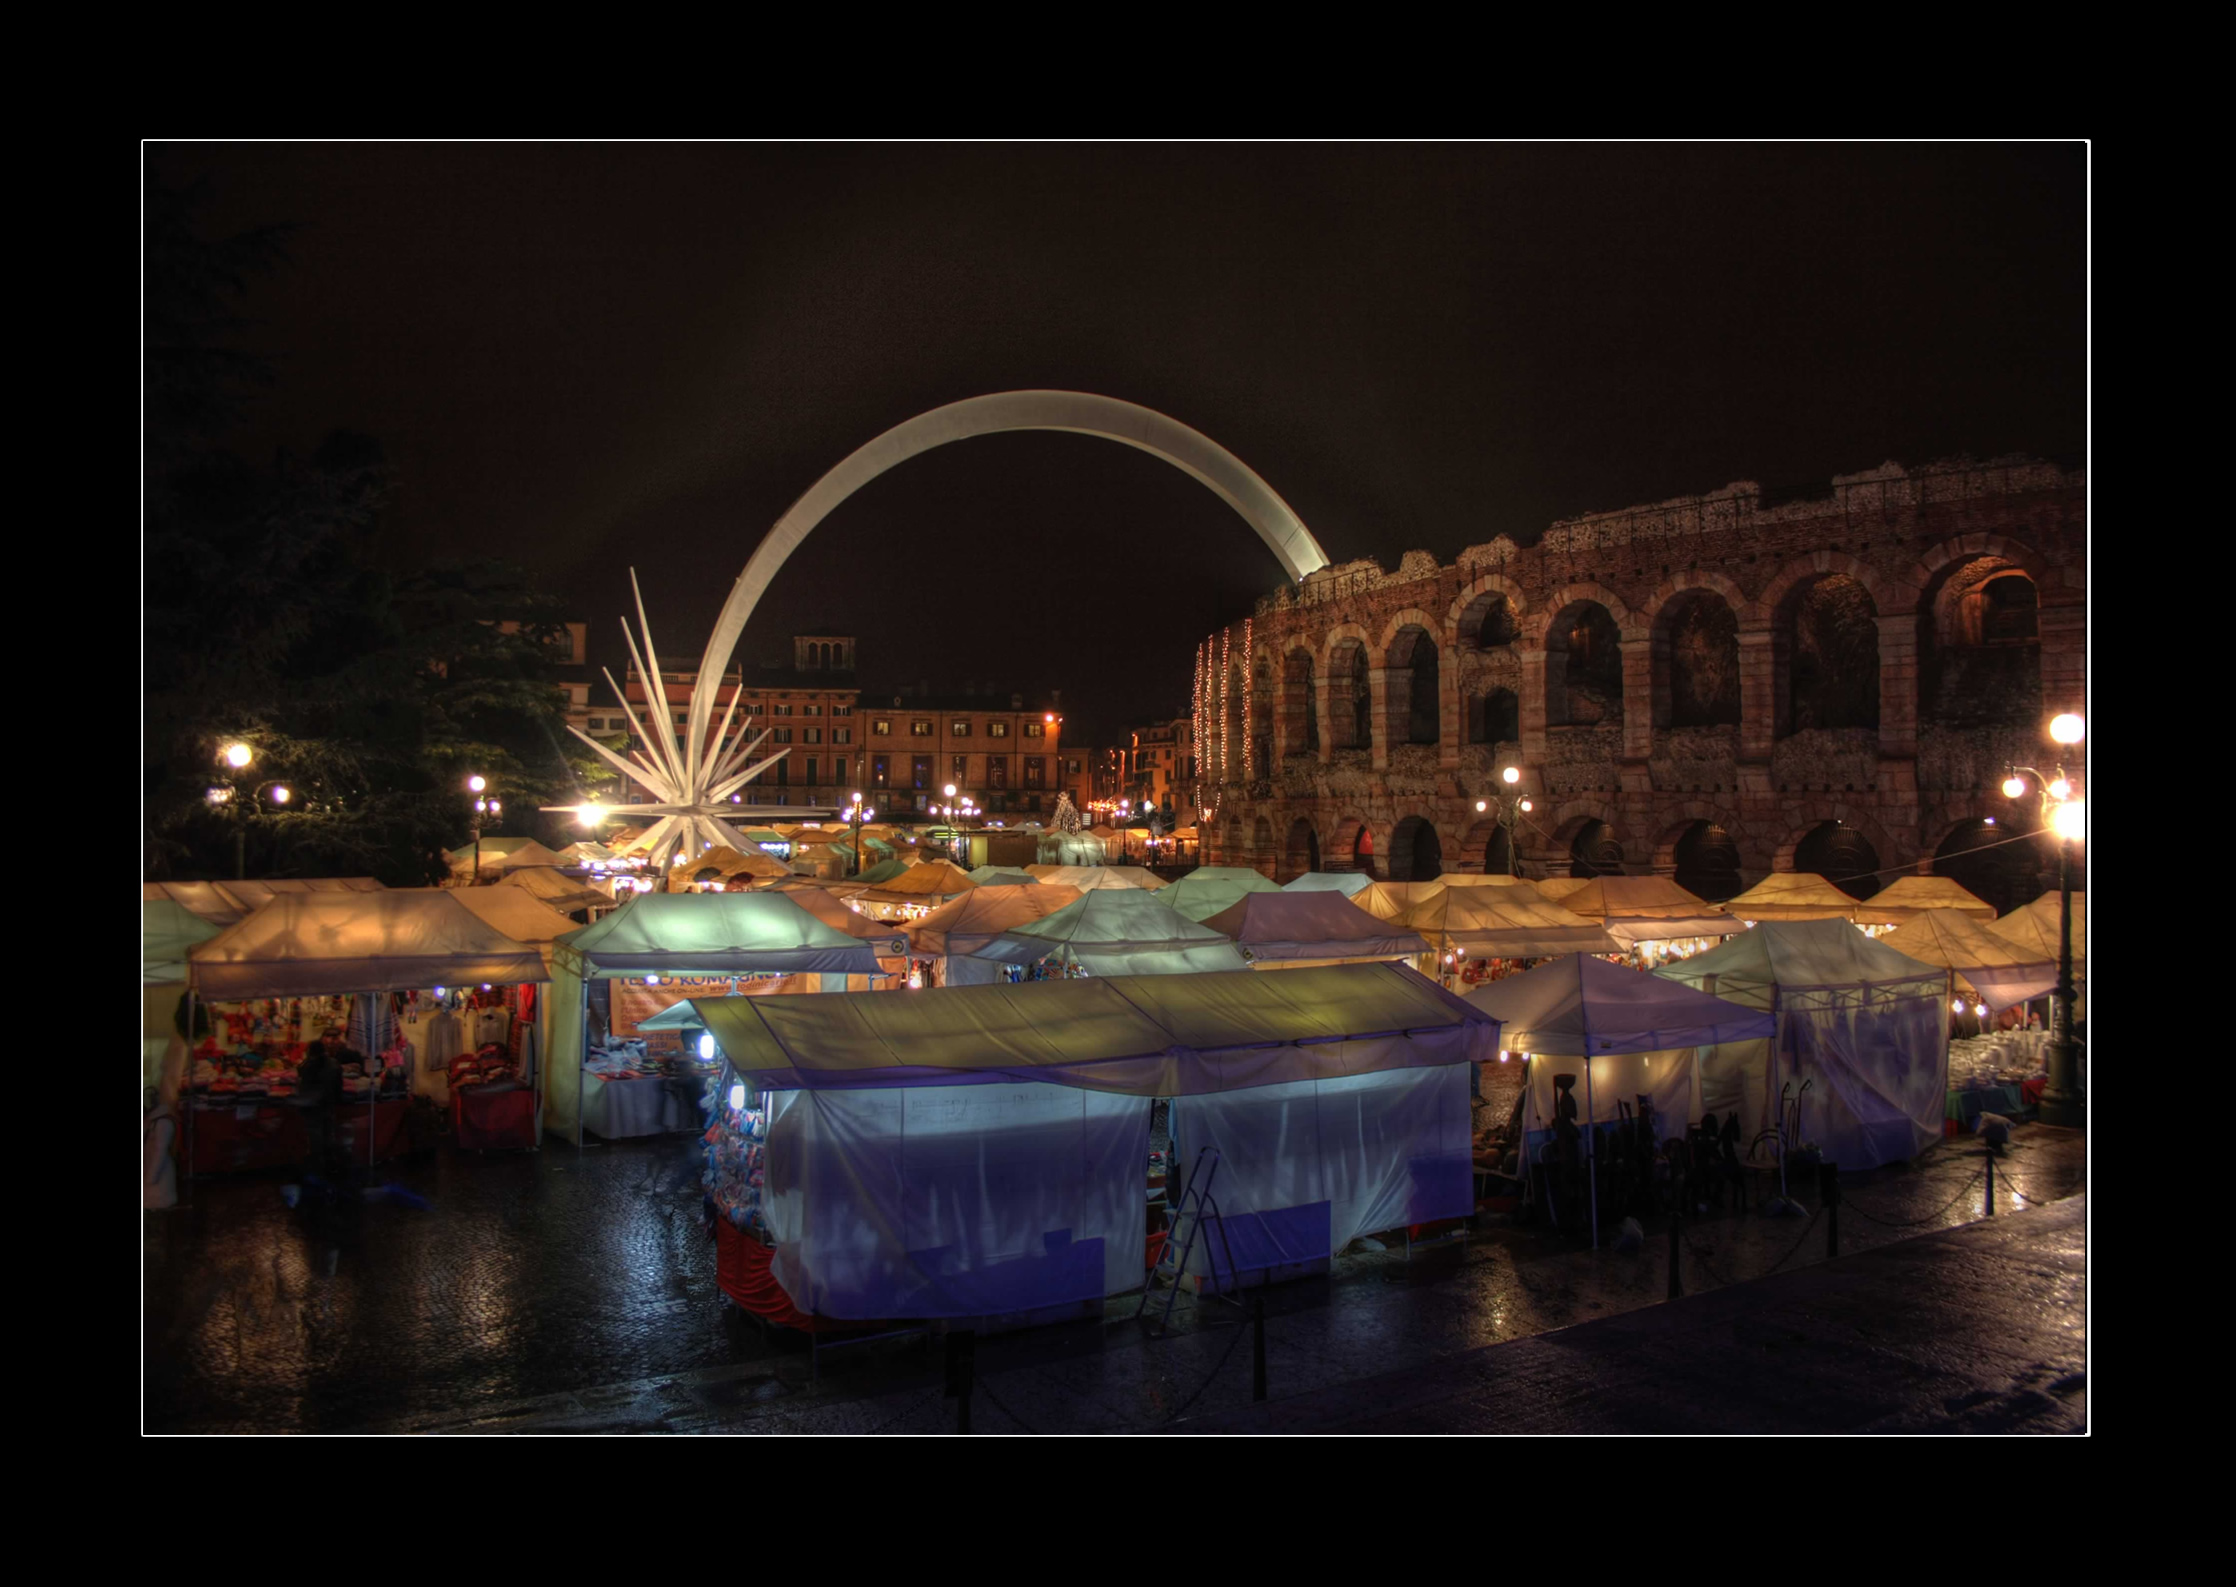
551, 1292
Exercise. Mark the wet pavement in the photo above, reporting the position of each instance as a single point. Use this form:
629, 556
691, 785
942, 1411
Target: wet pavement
548, 1292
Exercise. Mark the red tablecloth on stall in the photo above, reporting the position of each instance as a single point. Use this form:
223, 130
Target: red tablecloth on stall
741, 1267
252, 1135
493, 1120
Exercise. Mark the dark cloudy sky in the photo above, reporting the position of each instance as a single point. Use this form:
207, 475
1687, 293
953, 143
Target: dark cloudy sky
584, 357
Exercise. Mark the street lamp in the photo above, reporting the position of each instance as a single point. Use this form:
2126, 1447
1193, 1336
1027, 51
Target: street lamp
1512, 805
234, 757
2065, 813
485, 804
855, 816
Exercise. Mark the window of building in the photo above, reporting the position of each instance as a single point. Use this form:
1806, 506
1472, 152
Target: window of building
784, 708
920, 728
782, 735
1034, 730
921, 772
1072, 766
811, 735
1032, 771
997, 771
960, 728
959, 768
811, 764
842, 735
784, 771
997, 730
880, 772
811, 709
842, 710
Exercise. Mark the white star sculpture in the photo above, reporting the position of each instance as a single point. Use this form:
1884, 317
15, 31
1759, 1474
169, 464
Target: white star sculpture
692, 785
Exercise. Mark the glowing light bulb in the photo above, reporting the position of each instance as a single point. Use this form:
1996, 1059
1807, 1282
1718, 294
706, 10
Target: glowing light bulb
476, 783
1527, 806
1482, 805
2071, 820
280, 795
2013, 786
737, 1099
2061, 788
2068, 728
706, 1045
1957, 1007
1502, 1056
1512, 774
1981, 1009
591, 814
237, 755
651, 980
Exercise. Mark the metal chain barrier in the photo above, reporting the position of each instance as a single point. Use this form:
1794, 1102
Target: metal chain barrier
1915, 1223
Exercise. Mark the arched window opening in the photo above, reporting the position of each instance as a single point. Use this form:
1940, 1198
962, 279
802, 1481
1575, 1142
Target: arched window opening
1350, 705
1415, 853
1584, 668
1980, 859
1488, 623
1495, 718
1302, 853
1300, 734
1415, 694
1708, 862
1696, 662
1594, 852
1842, 856
1828, 657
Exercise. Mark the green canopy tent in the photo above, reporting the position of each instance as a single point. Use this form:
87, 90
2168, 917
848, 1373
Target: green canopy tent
1209, 889
681, 934
168, 932
1108, 931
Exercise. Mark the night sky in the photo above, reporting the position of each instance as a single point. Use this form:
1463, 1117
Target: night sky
581, 357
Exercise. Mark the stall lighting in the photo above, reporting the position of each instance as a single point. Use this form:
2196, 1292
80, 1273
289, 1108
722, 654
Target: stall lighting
706, 1045
1980, 1009
438, 991
651, 980
737, 1099
1957, 1006
485, 986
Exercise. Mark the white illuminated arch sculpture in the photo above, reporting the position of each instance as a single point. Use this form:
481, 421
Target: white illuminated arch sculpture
1078, 412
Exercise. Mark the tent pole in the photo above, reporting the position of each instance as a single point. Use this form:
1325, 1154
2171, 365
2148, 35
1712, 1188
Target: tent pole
582, 1058
186, 1096
372, 1092
1591, 1134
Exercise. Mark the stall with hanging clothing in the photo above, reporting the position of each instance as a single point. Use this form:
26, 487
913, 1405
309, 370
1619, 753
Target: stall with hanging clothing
347, 954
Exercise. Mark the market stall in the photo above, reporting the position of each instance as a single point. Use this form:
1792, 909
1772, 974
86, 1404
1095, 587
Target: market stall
1296, 931
486, 1116
1002, 876
557, 891
248, 897
1208, 889
2035, 929
647, 954
966, 924
492, 850
169, 931
1863, 1026
917, 891
1651, 916
1907, 897
1559, 887
306, 960
1792, 895
1634, 1035
1109, 931
976, 1153
1388, 900
1474, 934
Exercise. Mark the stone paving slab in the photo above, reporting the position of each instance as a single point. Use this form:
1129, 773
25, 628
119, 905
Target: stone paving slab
1978, 1329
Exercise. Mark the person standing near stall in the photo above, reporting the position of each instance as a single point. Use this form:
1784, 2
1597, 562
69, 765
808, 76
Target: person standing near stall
318, 1089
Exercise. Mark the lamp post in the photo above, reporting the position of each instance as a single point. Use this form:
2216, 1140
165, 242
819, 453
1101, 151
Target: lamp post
485, 804
855, 817
1512, 804
235, 757
2066, 814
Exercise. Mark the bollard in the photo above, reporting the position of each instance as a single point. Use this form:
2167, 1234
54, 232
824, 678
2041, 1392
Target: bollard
1828, 1197
961, 1360
1257, 1345
1989, 1153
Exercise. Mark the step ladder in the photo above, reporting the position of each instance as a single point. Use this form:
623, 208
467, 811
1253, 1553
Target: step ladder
1190, 1214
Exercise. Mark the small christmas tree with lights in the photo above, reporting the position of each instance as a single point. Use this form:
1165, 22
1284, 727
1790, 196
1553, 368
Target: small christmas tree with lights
1066, 818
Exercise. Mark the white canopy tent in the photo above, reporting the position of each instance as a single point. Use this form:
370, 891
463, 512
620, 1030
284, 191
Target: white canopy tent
205, 899
1109, 931
977, 1152
1999, 971
1087, 878
1635, 1034
1861, 1023
1502, 923
1637, 909
310, 944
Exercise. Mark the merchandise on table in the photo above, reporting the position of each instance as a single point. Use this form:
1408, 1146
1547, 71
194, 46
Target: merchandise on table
736, 1144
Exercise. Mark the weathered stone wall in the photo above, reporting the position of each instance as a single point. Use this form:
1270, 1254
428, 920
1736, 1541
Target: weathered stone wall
1867, 690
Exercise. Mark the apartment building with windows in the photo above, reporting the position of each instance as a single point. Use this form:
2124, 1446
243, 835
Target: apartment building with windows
1004, 750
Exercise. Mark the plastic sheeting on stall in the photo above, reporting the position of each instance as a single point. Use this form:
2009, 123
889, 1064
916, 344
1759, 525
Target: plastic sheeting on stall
304, 943
1863, 1023
1112, 931
956, 1201
1306, 1168
1345, 882
1319, 925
